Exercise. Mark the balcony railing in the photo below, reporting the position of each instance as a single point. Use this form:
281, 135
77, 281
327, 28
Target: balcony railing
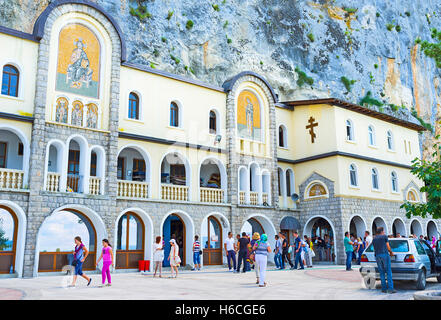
53, 182
174, 192
241, 197
133, 189
73, 183
212, 195
11, 179
94, 185
254, 196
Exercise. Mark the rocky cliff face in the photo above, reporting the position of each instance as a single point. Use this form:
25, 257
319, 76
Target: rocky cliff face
369, 43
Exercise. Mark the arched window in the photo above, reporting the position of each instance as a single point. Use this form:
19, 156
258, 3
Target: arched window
133, 106
174, 115
288, 183
353, 175
390, 140
10, 81
394, 180
279, 180
212, 122
375, 179
349, 130
282, 137
371, 133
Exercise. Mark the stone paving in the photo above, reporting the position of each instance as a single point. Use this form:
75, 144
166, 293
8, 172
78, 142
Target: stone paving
323, 282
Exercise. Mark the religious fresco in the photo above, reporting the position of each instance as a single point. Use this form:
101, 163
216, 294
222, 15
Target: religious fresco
78, 68
92, 115
61, 110
77, 113
248, 116
316, 190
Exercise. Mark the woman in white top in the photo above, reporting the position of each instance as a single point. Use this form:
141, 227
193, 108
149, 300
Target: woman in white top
174, 258
158, 255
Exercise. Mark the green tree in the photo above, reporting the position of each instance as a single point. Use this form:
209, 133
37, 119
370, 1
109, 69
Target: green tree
3, 240
432, 50
430, 173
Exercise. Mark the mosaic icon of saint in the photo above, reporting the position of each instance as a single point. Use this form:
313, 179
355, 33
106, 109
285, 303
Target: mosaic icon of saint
92, 116
77, 114
79, 70
61, 113
249, 116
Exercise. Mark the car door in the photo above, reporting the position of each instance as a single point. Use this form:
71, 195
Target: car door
423, 256
430, 254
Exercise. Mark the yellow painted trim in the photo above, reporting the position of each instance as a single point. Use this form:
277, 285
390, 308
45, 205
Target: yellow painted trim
27, 114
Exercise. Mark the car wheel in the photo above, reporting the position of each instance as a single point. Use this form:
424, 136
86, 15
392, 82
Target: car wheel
421, 282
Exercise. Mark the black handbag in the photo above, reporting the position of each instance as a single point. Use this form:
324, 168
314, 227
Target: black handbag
74, 263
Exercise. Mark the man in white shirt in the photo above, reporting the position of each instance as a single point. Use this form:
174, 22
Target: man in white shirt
230, 250
368, 238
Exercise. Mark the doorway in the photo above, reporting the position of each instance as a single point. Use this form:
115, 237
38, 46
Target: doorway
174, 228
212, 242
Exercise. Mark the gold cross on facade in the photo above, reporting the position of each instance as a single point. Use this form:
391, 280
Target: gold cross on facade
311, 126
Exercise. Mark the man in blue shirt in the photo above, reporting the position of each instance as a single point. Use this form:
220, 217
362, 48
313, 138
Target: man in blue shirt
349, 251
297, 251
383, 252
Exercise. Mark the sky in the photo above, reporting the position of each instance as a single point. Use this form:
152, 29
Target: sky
59, 231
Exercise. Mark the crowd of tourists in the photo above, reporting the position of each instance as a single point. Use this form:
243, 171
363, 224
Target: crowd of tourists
251, 253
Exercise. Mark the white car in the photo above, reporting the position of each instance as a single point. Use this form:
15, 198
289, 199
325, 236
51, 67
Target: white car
413, 259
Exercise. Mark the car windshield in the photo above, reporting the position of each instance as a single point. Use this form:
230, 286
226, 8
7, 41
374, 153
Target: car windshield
395, 245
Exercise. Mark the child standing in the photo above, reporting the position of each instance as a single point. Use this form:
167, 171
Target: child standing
107, 256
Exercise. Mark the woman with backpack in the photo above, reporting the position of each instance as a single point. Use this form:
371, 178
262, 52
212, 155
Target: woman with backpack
107, 256
262, 248
80, 255
252, 254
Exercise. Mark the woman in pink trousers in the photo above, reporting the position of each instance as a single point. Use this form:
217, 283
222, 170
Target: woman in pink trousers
107, 256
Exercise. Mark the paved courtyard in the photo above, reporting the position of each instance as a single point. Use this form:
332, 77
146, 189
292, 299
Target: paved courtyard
322, 282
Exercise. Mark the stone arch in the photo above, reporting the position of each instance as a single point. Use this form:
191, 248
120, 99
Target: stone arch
398, 226
188, 173
84, 167
189, 231
21, 233
379, 222
225, 225
26, 148
360, 225
268, 228
40, 23
231, 83
148, 232
61, 153
222, 171
148, 162
95, 219
416, 227
307, 230
432, 229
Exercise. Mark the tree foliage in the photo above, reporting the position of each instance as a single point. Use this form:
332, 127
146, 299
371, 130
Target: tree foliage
432, 50
430, 173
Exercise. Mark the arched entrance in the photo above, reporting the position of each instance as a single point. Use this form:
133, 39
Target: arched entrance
288, 225
357, 226
377, 223
320, 227
8, 239
416, 228
261, 224
174, 228
432, 230
211, 241
56, 240
398, 228
130, 241
251, 226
